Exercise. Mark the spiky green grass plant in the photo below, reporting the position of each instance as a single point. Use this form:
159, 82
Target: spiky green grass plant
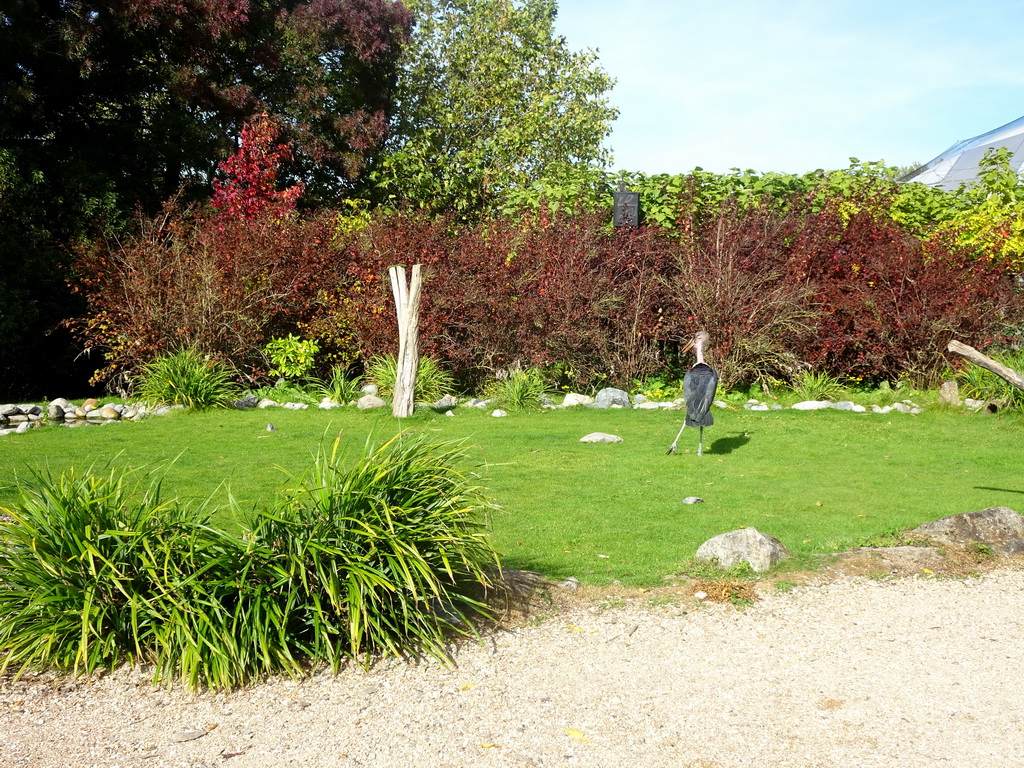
817, 385
432, 381
521, 390
337, 386
384, 553
386, 557
980, 384
186, 378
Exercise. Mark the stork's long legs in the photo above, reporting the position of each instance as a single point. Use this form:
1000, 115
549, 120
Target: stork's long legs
700, 442
672, 448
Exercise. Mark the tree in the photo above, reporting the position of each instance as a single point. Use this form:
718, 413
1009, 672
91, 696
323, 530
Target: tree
109, 105
490, 98
145, 94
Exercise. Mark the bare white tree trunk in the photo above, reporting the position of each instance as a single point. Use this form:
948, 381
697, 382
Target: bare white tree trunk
407, 305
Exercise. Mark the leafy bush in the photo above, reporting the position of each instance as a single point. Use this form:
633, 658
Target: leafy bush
187, 378
290, 356
521, 389
732, 281
386, 557
891, 302
432, 381
226, 285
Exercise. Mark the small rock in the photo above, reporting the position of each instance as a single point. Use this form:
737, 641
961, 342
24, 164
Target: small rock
949, 393
271, 427
600, 437
498, 413
571, 583
811, 405
446, 402
693, 500
574, 398
266, 402
369, 401
370, 389
701, 595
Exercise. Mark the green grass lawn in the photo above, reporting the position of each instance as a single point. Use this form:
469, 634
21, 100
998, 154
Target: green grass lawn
819, 481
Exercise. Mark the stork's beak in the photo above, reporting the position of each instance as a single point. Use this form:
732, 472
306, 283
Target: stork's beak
689, 344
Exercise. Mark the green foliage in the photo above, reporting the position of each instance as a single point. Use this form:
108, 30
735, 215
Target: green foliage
521, 390
432, 381
489, 98
386, 557
980, 384
187, 378
817, 385
290, 356
93, 567
381, 555
338, 386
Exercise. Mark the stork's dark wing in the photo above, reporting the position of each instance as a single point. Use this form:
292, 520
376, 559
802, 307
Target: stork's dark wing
699, 385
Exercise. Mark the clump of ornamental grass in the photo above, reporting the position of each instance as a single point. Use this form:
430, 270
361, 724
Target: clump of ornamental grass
522, 390
432, 381
980, 384
187, 378
815, 385
384, 556
388, 556
337, 386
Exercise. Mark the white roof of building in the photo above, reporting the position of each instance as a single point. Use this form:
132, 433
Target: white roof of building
959, 164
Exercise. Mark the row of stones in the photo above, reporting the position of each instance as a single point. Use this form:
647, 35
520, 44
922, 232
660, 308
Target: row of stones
20, 418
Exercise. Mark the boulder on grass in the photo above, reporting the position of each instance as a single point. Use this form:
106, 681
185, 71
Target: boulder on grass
610, 397
1001, 529
744, 545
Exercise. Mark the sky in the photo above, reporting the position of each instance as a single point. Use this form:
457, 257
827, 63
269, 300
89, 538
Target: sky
796, 85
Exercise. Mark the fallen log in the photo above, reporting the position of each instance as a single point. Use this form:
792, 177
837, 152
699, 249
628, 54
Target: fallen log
974, 356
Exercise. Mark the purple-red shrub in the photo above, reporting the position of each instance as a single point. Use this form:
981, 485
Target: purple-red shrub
890, 303
731, 280
539, 292
223, 286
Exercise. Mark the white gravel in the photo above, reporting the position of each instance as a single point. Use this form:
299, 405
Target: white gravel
913, 672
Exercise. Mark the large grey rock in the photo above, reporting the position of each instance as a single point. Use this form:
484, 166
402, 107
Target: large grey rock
744, 545
446, 402
600, 437
369, 401
1001, 529
609, 397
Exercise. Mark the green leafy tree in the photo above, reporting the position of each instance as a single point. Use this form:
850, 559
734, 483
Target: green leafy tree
489, 99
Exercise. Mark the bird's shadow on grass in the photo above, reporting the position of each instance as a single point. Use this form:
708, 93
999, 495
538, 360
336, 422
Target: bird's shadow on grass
1004, 490
730, 443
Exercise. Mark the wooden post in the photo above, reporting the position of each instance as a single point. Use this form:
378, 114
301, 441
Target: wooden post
987, 363
407, 306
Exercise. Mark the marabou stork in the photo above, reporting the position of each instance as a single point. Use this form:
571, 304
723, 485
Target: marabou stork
699, 385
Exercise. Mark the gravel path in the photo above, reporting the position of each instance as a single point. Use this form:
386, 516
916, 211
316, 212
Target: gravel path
911, 672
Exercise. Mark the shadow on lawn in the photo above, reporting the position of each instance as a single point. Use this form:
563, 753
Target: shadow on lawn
730, 443
1004, 490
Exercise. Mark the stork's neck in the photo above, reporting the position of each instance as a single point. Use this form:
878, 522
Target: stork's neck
698, 346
